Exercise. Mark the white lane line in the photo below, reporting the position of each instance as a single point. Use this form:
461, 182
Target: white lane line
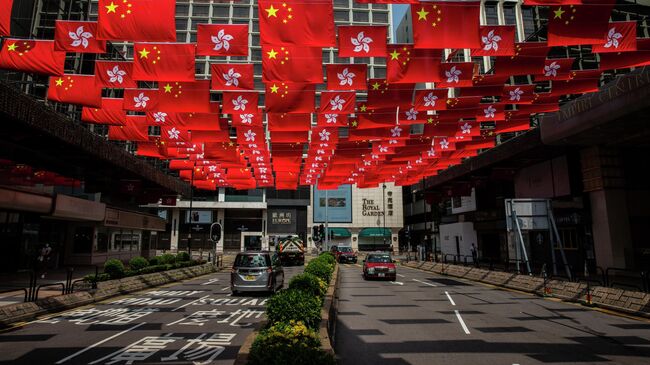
396, 282
424, 282
400, 275
462, 323
226, 288
451, 300
99, 343
190, 303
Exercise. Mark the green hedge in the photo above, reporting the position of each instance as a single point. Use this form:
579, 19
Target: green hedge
310, 284
294, 305
182, 257
290, 343
321, 268
114, 268
138, 263
166, 258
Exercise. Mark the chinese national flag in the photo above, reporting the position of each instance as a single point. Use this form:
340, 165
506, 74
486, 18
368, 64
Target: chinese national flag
346, 77
222, 40
496, 40
431, 99
306, 23
203, 122
5, 17
514, 125
381, 94
235, 102
164, 62
621, 37
75, 89
185, 96
137, 20
210, 136
141, 100
290, 98
579, 24
362, 41
446, 25
110, 113
152, 149
337, 102
115, 74
232, 76
79, 37
283, 122
292, 64
36, 56
638, 58
131, 131
528, 60
409, 65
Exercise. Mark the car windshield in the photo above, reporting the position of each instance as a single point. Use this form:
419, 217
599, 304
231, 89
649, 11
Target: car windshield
379, 259
345, 249
258, 260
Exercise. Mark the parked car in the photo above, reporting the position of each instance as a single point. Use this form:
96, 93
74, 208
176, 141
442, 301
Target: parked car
345, 254
379, 265
256, 271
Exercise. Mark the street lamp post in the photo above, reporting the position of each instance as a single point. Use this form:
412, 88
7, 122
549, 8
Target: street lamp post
189, 215
384, 204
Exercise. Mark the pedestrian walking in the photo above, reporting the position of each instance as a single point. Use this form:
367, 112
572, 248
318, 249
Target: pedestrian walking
474, 254
43, 259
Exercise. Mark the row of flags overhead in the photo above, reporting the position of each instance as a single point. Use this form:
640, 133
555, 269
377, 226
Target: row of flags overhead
461, 114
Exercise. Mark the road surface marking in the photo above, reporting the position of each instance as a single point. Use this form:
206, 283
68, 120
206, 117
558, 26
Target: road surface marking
99, 343
226, 288
424, 282
451, 300
400, 275
462, 323
189, 303
210, 281
396, 282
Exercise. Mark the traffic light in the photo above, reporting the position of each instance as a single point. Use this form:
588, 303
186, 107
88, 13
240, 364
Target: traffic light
315, 233
321, 232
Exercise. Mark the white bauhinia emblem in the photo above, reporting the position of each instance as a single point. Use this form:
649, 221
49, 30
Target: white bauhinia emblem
551, 70
337, 103
418, 161
367, 163
212, 168
159, 117
263, 170
246, 118
491, 41
250, 136
444, 144
331, 118
392, 141
240, 103
396, 131
232, 77
383, 149
515, 95
361, 43
80, 37
116, 74
346, 77
453, 74
613, 38
430, 100
466, 128
324, 135
411, 114
431, 153
489, 111
222, 40
173, 133
141, 101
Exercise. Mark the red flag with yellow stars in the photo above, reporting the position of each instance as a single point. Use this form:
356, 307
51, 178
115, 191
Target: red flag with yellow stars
185, 96
290, 98
409, 65
283, 122
78, 37
292, 64
579, 24
306, 23
36, 56
222, 40
110, 113
75, 89
381, 94
528, 60
164, 62
137, 20
5, 17
446, 25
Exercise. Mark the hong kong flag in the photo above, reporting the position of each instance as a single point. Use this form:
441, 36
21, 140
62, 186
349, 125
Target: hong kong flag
446, 25
409, 65
579, 24
137, 20
456, 74
290, 98
431, 99
488, 112
75, 89
190, 97
239, 102
164, 62
337, 102
496, 40
247, 119
621, 37
292, 64
36, 56
115, 74
332, 120
362, 41
556, 69
141, 100
222, 40
306, 23
518, 94
5, 17
346, 77
232, 76
110, 113
79, 37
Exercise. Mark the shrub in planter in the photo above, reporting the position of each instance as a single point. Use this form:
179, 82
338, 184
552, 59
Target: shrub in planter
182, 257
310, 284
138, 263
321, 269
154, 261
328, 257
114, 268
166, 258
294, 305
289, 343
100, 277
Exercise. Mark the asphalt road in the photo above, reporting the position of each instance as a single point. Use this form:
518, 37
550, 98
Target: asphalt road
196, 321
424, 318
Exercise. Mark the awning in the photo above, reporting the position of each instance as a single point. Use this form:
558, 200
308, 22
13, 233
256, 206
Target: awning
339, 233
375, 232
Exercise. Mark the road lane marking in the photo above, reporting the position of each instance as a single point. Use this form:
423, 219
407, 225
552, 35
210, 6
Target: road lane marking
226, 288
99, 343
190, 303
462, 323
451, 300
396, 282
210, 281
424, 282
400, 275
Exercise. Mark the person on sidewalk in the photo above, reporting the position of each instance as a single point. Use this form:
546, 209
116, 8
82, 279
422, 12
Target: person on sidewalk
474, 255
43, 259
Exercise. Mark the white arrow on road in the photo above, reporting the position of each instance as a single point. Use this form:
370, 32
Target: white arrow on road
397, 282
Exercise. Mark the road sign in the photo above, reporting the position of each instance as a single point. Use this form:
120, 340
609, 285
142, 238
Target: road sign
215, 232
